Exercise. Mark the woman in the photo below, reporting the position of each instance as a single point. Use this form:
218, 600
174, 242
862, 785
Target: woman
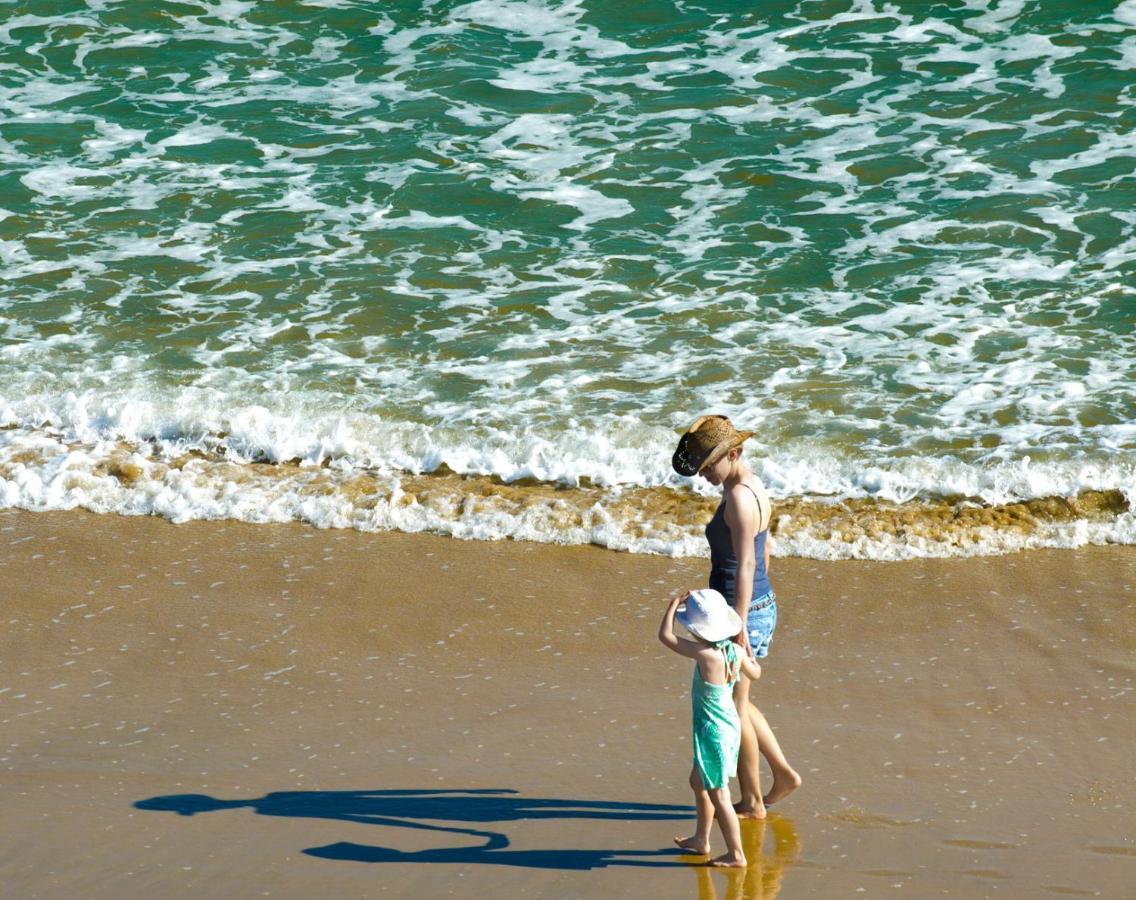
739, 568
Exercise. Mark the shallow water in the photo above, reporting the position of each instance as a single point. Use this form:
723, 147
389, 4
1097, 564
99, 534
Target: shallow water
525, 242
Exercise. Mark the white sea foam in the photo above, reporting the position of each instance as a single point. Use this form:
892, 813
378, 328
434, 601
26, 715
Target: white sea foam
616, 451
1126, 12
557, 27
102, 478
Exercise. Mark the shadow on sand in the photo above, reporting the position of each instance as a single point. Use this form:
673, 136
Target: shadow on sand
421, 809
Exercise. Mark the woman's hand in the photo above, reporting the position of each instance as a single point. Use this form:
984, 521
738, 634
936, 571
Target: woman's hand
744, 642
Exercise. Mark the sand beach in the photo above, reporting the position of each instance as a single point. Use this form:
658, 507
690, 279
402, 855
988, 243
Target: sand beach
219, 709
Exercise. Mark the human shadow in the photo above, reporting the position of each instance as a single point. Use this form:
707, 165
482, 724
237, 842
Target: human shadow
424, 809
494, 852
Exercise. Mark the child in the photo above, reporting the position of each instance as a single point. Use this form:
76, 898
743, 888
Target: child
717, 730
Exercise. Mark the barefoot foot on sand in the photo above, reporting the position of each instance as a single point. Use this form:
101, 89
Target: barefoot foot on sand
727, 861
743, 811
784, 784
691, 845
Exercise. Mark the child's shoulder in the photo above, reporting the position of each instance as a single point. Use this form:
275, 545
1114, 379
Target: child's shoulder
710, 663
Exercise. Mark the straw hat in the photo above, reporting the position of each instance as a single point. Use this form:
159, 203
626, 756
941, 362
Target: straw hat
707, 615
705, 442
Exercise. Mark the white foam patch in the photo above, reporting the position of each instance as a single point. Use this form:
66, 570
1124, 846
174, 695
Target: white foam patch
103, 479
1126, 12
614, 451
982, 542
557, 26
537, 150
194, 135
1107, 147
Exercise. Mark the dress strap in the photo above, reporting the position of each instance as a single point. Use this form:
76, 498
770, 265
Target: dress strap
730, 656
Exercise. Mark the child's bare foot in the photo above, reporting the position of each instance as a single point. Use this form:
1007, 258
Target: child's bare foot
784, 783
728, 861
691, 845
746, 811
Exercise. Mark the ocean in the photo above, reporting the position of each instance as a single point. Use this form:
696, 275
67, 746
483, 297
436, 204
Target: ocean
471, 267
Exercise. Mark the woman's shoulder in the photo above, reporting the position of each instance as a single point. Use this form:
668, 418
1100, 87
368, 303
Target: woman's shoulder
750, 496
749, 492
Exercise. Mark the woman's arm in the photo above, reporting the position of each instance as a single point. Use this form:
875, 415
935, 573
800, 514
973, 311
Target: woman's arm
668, 638
739, 515
740, 511
751, 668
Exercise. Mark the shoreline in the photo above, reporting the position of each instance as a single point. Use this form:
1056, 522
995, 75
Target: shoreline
982, 516
961, 724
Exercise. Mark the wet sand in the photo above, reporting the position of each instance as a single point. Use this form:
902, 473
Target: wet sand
217, 709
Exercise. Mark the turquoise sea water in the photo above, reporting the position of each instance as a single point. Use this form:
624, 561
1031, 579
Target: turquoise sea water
316, 260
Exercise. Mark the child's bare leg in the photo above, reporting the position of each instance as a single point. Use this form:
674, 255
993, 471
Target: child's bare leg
699, 842
785, 778
734, 857
750, 805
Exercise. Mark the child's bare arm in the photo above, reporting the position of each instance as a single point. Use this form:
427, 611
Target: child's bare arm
751, 668
666, 630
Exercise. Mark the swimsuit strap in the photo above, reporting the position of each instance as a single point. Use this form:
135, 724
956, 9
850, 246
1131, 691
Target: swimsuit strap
760, 514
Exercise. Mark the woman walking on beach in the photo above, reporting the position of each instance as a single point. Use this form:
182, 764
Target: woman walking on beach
739, 568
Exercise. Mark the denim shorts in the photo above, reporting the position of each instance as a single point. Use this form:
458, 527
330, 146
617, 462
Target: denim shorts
760, 622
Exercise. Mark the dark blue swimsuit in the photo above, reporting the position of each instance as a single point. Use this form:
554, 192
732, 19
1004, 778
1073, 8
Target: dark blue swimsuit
723, 563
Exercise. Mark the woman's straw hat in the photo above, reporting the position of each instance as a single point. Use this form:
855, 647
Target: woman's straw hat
705, 442
707, 615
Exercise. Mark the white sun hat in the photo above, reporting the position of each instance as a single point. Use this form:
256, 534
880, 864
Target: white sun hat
707, 615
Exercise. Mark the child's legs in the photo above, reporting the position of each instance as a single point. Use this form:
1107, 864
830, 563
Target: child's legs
727, 822
703, 807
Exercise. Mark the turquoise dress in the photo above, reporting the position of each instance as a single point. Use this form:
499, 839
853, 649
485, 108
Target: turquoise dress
717, 731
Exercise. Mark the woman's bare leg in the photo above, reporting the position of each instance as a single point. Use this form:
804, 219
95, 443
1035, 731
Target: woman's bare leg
750, 805
785, 778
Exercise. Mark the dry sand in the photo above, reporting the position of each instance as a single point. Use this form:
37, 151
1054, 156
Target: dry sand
224, 710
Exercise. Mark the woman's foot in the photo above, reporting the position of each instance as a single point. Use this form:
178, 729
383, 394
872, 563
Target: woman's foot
692, 845
728, 861
784, 783
750, 811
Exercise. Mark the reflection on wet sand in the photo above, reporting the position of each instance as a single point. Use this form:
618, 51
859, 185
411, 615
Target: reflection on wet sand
763, 877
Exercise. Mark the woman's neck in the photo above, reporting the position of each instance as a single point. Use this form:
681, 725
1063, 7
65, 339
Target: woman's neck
738, 473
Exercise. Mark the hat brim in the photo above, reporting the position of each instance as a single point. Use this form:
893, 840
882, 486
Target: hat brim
683, 463
717, 630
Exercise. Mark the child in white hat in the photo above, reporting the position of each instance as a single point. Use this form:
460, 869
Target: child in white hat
717, 730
